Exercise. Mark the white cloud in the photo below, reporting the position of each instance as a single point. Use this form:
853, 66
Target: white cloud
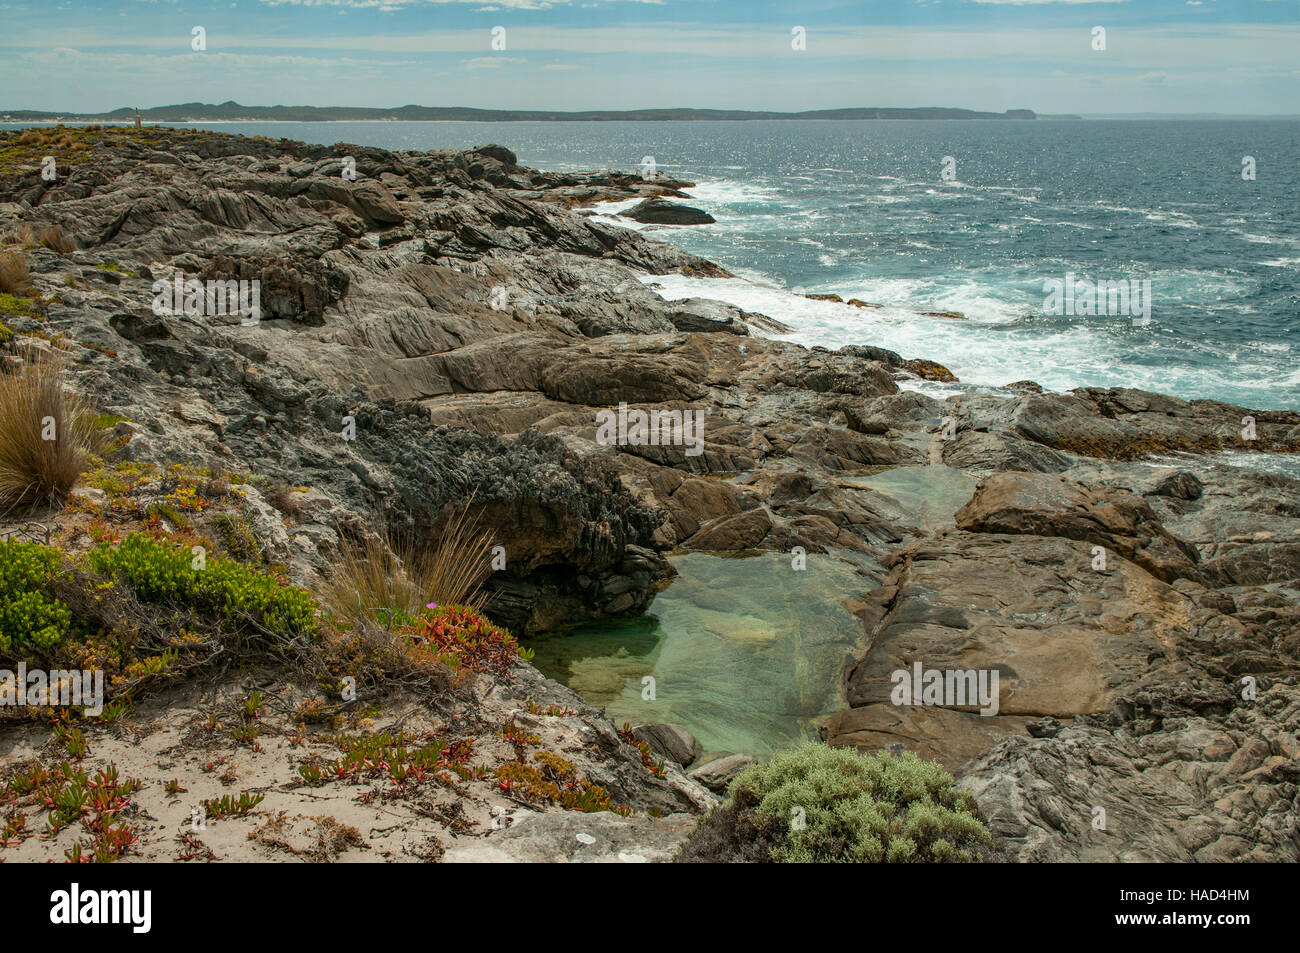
491, 62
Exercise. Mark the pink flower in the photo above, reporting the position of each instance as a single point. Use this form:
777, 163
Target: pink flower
432, 605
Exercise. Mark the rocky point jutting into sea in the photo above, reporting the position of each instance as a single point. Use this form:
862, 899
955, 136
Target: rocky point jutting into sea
472, 321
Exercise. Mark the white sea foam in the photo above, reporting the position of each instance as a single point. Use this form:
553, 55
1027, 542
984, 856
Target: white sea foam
999, 345
730, 192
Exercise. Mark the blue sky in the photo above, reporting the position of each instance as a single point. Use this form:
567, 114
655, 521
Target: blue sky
1233, 56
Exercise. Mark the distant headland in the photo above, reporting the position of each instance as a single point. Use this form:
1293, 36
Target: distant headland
234, 112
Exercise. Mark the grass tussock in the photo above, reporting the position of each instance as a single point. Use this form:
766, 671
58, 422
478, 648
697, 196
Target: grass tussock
15, 277
55, 239
47, 436
392, 578
22, 235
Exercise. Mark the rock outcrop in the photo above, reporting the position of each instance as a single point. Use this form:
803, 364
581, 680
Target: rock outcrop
661, 212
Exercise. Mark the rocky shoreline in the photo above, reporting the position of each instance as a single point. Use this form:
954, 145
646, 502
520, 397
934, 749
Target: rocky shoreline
468, 319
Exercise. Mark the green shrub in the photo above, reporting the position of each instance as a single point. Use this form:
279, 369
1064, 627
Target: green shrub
238, 537
158, 572
818, 804
29, 617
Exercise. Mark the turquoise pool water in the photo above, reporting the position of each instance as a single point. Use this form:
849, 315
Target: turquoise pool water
746, 653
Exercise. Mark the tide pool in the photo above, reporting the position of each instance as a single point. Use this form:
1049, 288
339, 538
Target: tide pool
746, 653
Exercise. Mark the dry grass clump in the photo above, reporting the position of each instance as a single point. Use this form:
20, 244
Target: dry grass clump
22, 235
15, 278
394, 576
47, 436
284, 498
56, 240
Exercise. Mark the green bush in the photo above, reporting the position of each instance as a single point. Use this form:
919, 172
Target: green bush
158, 572
29, 617
818, 804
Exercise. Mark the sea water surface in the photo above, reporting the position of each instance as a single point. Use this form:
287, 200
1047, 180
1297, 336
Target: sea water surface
861, 209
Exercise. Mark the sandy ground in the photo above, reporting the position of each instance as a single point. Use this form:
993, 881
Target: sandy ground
200, 737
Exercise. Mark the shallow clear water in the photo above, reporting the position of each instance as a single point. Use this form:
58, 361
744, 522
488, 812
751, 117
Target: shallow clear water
860, 209
928, 496
746, 653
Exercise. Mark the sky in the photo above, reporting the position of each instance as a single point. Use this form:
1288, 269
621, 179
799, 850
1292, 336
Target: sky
1169, 56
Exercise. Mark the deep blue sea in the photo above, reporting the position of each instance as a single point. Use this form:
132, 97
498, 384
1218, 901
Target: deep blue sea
862, 209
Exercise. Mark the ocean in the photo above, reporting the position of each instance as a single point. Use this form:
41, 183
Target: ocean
863, 210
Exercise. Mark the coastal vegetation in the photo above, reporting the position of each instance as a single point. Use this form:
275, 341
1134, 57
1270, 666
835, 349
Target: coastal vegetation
818, 804
48, 436
391, 577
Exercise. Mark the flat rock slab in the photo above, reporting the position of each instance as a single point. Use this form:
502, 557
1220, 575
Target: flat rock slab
1062, 635
950, 737
1044, 504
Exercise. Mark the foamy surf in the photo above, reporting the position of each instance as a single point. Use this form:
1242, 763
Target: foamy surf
988, 353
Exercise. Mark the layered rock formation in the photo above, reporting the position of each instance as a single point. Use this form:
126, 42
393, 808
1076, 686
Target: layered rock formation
446, 328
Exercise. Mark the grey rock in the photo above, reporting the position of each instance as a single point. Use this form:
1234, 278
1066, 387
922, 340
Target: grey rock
716, 775
671, 741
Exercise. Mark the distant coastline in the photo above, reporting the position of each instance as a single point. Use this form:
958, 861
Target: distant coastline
235, 112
